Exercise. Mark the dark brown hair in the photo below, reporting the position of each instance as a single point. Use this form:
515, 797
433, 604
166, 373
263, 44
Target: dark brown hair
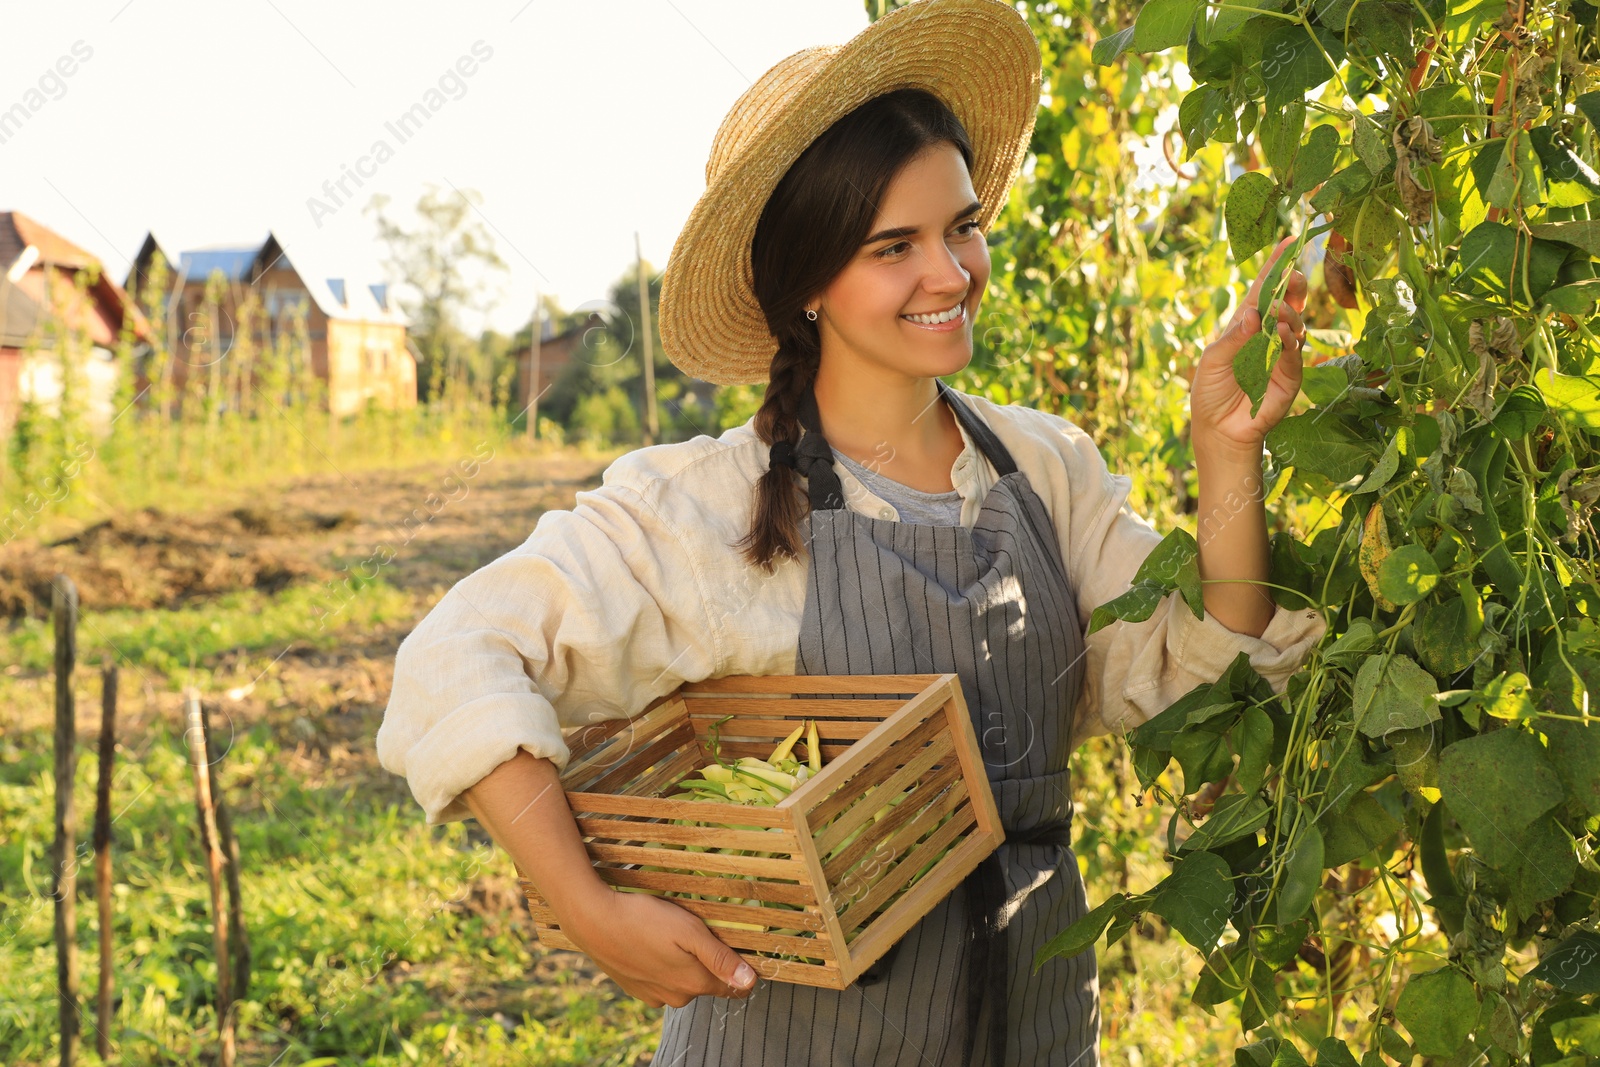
812, 226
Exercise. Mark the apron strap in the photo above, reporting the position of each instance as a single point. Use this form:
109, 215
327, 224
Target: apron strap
814, 456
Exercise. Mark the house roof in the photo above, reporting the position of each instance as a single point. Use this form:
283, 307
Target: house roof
58, 258
234, 262
336, 296
18, 231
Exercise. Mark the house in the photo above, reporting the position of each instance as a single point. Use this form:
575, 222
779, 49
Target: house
41, 310
556, 352
355, 334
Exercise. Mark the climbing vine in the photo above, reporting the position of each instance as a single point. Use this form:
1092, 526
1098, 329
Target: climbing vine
1436, 765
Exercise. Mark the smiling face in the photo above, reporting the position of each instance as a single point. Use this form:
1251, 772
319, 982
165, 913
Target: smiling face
866, 313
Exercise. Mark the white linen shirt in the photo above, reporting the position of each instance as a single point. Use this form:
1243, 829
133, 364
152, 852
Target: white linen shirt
636, 590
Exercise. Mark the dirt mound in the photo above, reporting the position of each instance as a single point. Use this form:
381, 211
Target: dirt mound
154, 560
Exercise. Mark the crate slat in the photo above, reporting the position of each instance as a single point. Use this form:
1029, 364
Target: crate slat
930, 790
664, 747
624, 831
643, 727
708, 812
699, 861
710, 709
825, 808
872, 799
905, 848
899, 874
745, 685
777, 892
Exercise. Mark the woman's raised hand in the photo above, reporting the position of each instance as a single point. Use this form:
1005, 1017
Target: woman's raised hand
657, 951
1219, 410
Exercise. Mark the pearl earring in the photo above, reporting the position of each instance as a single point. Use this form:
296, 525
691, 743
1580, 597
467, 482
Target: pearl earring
811, 314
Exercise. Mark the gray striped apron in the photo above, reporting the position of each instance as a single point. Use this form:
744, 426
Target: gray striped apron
993, 605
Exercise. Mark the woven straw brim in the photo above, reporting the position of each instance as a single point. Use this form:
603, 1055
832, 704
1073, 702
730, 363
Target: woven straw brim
978, 56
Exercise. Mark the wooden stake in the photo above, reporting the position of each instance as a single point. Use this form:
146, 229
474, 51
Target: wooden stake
195, 735
64, 613
652, 427
239, 939
534, 339
102, 850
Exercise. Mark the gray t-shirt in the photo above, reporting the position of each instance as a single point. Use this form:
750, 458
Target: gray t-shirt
913, 505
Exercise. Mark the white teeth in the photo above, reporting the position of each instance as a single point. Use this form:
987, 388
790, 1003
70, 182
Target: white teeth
943, 316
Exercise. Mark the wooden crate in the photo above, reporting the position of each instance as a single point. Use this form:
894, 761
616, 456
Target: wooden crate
892, 732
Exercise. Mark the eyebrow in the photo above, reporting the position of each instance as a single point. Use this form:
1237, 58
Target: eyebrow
911, 231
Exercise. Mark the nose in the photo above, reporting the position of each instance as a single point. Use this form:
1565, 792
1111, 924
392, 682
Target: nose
945, 273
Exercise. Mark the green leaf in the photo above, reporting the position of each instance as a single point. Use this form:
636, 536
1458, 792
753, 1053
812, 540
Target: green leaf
1575, 397
1589, 104
1277, 945
1408, 574
1251, 213
1081, 935
1203, 756
1323, 444
1279, 136
1167, 558
1162, 24
1575, 751
1295, 60
1543, 866
1580, 233
1573, 965
1571, 180
1486, 256
1577, 299
1201, 113
1234, 816
1387, 465
1302, 874
1361, 827
1254, 739
1486, 164
1393, 693
1442, 638
1371, 143
1496, 785
1521, 412
1345, 185
1196, 898
1228, 20
1447, 106
1252, 367
1438, 1008
1314, 164
1108, 48
1386, 26
1331, 1052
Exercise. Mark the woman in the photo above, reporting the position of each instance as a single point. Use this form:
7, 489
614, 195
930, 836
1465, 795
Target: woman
868, 519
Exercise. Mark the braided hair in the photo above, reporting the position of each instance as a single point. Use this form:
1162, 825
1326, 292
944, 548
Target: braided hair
810, 229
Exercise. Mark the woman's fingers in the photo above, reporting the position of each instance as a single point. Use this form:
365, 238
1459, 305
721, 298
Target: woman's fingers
1254, 293
1296, 294
1289, 315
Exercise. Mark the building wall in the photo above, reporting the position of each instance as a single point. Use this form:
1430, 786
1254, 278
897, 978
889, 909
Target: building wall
369, 359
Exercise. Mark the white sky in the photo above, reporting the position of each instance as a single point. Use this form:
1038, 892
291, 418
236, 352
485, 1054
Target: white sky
211, 123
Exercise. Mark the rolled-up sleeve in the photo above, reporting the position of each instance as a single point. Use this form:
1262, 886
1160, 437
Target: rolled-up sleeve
596, 614
1135, 670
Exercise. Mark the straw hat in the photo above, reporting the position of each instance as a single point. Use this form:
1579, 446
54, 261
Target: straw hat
978, 56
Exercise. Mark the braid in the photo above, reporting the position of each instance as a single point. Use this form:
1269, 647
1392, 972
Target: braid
779, 507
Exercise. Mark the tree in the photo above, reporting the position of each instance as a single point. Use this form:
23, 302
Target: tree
443, 263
